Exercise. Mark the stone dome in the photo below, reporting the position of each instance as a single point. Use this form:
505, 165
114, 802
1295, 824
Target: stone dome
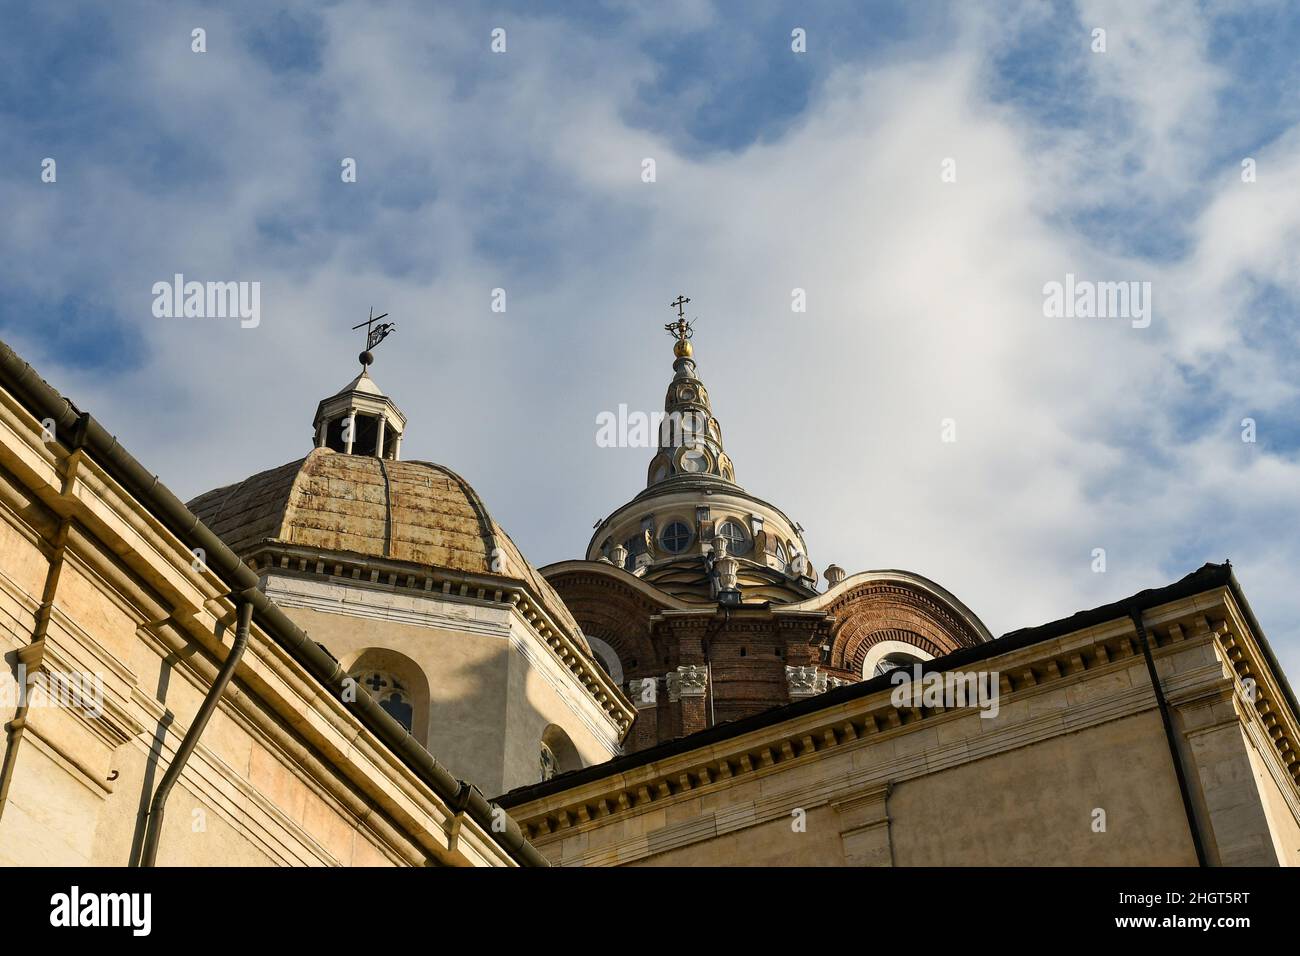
665, 534
408, 511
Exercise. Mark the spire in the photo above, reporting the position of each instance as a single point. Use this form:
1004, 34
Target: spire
690, 439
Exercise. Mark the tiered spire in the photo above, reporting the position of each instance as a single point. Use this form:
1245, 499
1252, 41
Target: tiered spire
690, 439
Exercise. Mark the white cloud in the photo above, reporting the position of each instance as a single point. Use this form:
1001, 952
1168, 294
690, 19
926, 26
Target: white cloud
925, 297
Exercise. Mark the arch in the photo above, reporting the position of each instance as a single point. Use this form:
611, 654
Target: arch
891, 649
397, 683
876, 605
557, 753
739, 543
614, 607
607, 657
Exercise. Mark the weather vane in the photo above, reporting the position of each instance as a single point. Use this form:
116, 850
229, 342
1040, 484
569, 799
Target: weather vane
681, 328
374, 334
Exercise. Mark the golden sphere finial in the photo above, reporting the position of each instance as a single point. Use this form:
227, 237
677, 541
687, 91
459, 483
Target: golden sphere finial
682, 349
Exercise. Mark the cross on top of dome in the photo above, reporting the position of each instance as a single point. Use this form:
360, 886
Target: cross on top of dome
360, 419
374, 335
681, 329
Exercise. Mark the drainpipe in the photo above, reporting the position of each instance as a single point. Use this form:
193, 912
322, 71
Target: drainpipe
1172, 739
708, 660
153, 823
21, 379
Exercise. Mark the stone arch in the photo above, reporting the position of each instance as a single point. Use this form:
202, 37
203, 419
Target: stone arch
392, 679
557, 753
895, 606
887, 647
608, 657
614, 608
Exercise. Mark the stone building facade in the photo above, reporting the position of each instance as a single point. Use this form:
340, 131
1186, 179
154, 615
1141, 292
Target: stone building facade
118, 613
1073, 766
398, 567
277, 664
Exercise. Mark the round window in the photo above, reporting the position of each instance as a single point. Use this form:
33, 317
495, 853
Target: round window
676, 537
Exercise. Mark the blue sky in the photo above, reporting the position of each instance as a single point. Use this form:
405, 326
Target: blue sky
775, 170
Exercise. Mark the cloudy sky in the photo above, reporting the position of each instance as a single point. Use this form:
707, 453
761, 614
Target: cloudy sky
922, 171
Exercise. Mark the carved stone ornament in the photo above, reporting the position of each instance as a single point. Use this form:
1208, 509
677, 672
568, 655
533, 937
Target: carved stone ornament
692, 680
725, 567
805, 681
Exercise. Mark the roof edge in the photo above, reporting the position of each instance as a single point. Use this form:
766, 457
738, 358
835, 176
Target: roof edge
43, 400
1206, 578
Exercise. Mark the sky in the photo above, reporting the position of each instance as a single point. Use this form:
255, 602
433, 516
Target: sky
921, 171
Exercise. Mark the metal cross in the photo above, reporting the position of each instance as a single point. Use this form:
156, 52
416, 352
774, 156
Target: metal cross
377, 333
681, 328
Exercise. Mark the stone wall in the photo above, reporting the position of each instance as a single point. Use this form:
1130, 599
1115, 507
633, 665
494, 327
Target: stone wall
1074, 769
91, 582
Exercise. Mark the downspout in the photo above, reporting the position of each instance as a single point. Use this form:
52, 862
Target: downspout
708, 660
1171, 738
37, 394
153, 823
15, 728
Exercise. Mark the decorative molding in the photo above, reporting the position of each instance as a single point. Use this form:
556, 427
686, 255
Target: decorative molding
692, 680
644, 692
456, 587
805, 681
1025, 674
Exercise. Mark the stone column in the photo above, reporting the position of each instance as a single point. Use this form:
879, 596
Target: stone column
644, 694
805, 681
379, 437
692, 683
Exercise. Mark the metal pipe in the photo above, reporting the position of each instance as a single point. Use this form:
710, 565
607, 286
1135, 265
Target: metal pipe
23, 381
1172, 738
153, 823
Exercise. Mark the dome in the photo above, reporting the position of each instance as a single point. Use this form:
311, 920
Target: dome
410, 511
666, 534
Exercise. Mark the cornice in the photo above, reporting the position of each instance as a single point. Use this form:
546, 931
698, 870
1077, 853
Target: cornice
454, 585
1024, 673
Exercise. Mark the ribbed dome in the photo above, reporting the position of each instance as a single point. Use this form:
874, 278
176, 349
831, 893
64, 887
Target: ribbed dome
412, 511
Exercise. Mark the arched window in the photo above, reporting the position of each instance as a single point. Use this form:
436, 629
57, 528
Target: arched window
894, 661
781, 557
556, 753
390, 694
606, 657
676, 537
886, 655
635, 545
396, 683
737, 540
